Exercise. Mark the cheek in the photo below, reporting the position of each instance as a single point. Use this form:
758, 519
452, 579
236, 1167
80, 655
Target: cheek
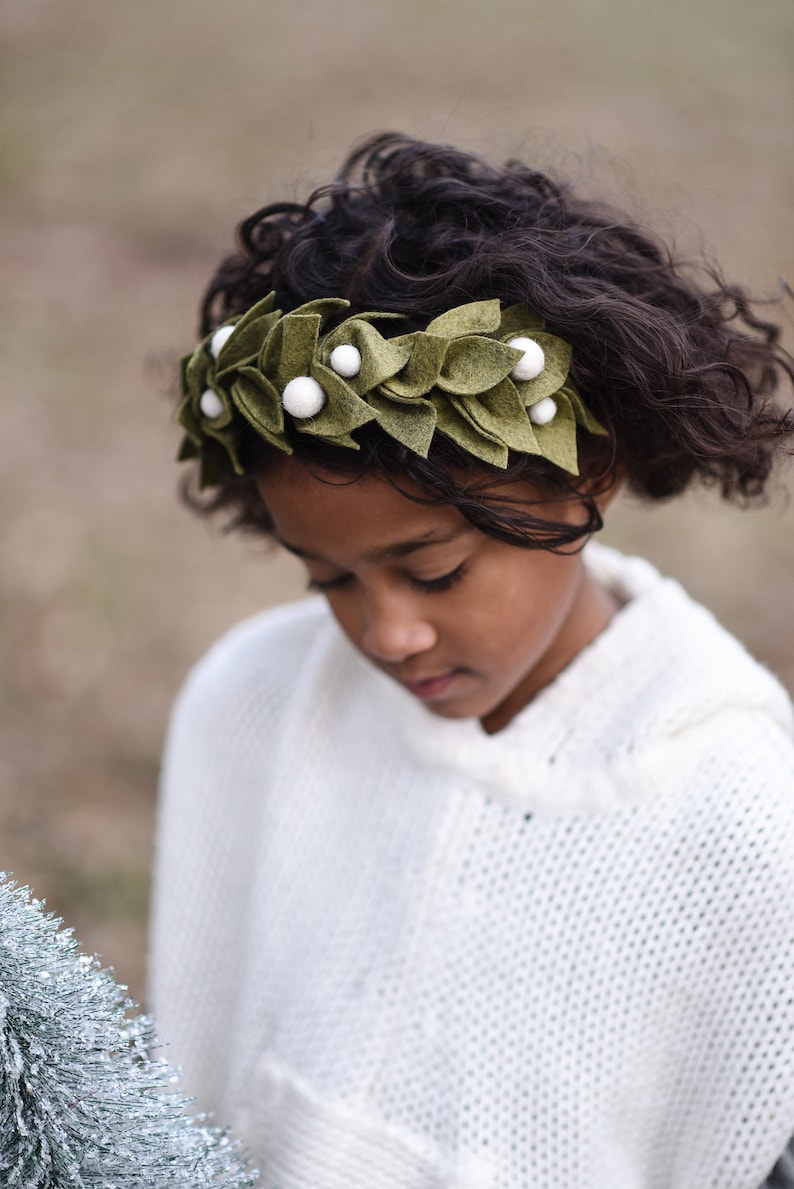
346, 611
490, 616
524, 606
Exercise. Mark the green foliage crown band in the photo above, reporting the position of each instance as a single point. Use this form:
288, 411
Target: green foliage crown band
491, 380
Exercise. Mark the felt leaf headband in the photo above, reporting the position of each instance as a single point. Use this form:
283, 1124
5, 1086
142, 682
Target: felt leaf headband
490, 379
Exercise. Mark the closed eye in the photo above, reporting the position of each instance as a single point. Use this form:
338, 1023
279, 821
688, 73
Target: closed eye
444, 582
324, 584
428, 585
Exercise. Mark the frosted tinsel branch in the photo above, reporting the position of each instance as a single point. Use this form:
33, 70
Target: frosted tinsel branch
82, 1103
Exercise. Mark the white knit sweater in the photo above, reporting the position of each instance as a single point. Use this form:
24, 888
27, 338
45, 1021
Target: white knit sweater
393, 951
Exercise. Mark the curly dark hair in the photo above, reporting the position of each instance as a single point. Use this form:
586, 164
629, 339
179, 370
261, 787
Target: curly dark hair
676, 364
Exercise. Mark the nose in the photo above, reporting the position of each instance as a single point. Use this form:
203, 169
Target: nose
395, 628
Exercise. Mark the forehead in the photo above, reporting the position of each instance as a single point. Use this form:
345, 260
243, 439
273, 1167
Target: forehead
321, 514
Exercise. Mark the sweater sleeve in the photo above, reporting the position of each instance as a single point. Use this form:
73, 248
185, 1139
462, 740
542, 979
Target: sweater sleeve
214, 794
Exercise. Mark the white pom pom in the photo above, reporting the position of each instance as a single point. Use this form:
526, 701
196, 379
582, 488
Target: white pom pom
211, 404
346, 360
543, 412
303, 397
218, 339
533, 362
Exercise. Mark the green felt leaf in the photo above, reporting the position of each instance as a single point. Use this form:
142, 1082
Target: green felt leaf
501, 414
187, 449
271, 358
378, 316
343, 410
463, 406
423, 367
554, 374
261, 309
457, 425
345, 440
299, 333
228, 439
557, 440
214, 463
245, 344
583, 415
253, 393
211, 466
380, 357
190, 422
411, 422
223, 419
195, 371
518, 321
324, 307
477, 317
474, 364
259, 402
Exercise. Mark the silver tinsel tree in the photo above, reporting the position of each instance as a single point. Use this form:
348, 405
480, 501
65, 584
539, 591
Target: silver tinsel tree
82, 1103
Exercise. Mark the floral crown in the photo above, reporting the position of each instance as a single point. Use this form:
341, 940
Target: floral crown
491, 380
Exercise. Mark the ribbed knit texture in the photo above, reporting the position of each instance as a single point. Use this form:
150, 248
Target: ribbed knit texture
393, 951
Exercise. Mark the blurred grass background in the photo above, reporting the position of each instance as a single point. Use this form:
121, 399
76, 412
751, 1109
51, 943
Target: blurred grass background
133, 136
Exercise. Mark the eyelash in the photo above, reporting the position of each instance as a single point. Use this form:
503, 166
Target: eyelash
434, 585
428, 585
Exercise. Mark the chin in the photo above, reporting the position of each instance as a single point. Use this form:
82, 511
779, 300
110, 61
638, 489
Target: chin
462, 708
442, 711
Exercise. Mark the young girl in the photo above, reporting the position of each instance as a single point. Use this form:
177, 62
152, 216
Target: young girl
478, 871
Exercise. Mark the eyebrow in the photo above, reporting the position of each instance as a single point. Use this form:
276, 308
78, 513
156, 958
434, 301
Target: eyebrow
387, 552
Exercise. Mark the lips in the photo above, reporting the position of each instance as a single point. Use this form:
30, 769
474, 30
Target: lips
430, 687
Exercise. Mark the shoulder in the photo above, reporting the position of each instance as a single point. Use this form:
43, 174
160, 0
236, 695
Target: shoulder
228, 722
258, 660
712, 728
672, 665
278, 631
268, 671
666, 703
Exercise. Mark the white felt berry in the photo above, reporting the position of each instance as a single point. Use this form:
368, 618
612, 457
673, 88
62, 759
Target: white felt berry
533, 362
303, 397
543, 412
211, 404
218, 339
346, 360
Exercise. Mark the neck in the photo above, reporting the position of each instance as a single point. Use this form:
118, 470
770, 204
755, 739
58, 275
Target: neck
592, 610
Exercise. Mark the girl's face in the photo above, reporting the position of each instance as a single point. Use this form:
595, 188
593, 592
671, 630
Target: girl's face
471, 626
